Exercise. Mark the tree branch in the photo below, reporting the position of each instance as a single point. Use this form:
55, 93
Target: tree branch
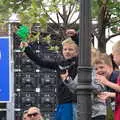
112, 36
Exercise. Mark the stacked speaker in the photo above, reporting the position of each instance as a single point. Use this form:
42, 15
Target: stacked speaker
34, 85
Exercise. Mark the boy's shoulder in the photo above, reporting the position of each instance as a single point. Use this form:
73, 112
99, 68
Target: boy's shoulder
115, 74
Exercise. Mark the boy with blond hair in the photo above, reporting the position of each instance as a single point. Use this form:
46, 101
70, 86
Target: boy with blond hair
98, 105
65, 98
104, 75
116, 52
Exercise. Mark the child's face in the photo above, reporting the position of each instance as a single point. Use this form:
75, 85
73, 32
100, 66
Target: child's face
116, 58
103, 69
69, 51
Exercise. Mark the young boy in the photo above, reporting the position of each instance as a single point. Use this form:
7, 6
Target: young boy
103, 66
104, 74
65, 98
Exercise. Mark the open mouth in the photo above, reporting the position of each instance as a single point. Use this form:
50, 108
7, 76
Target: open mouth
101, 73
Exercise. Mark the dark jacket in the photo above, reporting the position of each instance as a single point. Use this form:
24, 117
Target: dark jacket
64, 95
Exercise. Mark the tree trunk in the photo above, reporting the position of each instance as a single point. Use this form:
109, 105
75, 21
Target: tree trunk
102, 43
102, 22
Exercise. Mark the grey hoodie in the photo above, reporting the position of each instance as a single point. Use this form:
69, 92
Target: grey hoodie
98, 106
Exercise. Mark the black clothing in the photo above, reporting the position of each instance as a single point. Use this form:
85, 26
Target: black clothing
114, 76
76, 38
113, 79
64, 95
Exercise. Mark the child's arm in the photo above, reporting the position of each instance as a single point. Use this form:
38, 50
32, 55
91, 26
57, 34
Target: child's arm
106, 82
97, 86
67, 80
106, 95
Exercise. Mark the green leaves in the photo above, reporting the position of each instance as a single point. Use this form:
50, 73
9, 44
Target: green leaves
61, 13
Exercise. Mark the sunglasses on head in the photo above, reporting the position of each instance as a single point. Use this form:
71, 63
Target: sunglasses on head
32, 114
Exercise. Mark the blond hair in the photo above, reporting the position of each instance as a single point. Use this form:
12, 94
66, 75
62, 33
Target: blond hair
101, 58
34, 108
94, 52
70, 42
116, 47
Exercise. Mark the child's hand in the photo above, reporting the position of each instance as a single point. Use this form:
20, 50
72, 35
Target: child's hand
23, 44
104, 95
101, 79
64, 76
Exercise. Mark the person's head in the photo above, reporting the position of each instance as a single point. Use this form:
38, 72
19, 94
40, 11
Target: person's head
25, 115
34, 113
116, 52
102, 64
70, 49
70, 32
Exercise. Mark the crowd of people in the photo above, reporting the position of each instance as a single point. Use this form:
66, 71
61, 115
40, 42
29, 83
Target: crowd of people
105, 80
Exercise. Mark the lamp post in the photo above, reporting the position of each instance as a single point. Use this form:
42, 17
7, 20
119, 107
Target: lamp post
11, 105
84, 68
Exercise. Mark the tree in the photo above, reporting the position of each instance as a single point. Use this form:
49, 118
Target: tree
66, 15
41, 11
108, 18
